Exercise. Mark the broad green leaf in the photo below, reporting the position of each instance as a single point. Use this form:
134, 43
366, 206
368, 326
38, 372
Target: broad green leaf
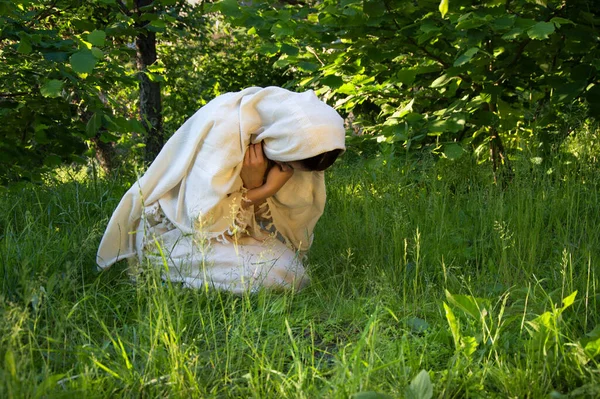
24, 46
416, 324
443, 7
281, 29
453, 324
591, 343
332, 81
96, 52
374, 9
308, 66
513, 34
52, 88
568, 301
541, 30
97, 38
557, 21
347, 88
230, 8
52, 160
453, 151
437, 126
406, 76
456, 122
289, 50
469, 345
442, 81
567, 92
470, 23
94, 124
470, 305
420, 387
83, 61
466, 56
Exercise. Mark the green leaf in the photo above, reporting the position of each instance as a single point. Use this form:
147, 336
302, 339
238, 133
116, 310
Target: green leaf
281, 29
308, 66
420, 387
557, 21
52, 88
230, 8
347, 88
24, 46
83, 61
94, 124
470, 305
406, 76
453, 151
442, 81
466, 56
568, 301
541, 30
417, 324
513, 34
96, 52
453, 324
52, 160
591, 343
443, 7
97, 38
9, 363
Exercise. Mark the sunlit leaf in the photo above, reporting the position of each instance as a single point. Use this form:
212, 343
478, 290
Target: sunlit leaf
453, 324
466, 56
52, 88
83, 61
443, 7
420, 387
541, 30
453, 151
97, 38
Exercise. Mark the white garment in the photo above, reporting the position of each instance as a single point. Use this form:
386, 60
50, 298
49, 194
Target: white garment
194, 180
242, 260
200, 165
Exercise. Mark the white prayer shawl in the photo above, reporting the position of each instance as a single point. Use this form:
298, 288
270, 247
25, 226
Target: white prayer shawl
200, 165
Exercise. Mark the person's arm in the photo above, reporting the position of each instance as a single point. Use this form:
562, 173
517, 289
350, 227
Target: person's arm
253, 176
277, 176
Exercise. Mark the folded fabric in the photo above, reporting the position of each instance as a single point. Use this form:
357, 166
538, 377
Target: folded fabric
201, 163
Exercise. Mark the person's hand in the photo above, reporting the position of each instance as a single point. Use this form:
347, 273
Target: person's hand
277, 176
254, 167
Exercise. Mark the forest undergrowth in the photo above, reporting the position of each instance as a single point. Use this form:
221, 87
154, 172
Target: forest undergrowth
427, 281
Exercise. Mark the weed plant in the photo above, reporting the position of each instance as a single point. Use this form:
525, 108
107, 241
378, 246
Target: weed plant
416, 265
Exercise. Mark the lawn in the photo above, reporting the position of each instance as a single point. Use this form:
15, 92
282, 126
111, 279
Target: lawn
428, 280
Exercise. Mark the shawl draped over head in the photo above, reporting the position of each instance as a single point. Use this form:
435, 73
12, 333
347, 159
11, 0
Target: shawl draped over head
200, 165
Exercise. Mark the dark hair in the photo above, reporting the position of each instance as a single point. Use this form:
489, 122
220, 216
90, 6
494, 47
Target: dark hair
322, 161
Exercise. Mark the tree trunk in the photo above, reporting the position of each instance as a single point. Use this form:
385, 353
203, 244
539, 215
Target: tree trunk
501, 166
150, 98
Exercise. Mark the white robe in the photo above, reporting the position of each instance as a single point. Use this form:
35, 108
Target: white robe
194, 176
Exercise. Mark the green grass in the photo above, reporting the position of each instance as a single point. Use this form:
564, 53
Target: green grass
415, 267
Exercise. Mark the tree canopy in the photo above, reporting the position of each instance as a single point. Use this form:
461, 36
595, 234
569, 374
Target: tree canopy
451, 77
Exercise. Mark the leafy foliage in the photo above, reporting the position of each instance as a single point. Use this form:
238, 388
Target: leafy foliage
471, 75
65, 80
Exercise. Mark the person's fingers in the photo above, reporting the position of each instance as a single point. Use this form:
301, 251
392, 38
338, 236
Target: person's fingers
247, 156
259, 153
